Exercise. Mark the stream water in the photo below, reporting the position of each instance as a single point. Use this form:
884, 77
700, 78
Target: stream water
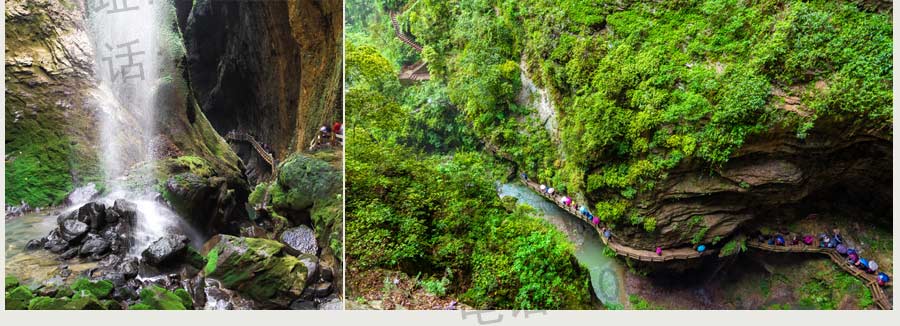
607, 275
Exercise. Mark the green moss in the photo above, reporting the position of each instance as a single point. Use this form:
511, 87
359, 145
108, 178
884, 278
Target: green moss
37, 169
18, 298
733, 247
327, 218
84, 301
11, 282
258, 193
254, 267
639, 303
195, 259
100, 289
140, 306
195, 165
303, 180
186, 299
47, 303
212, 260
159, 298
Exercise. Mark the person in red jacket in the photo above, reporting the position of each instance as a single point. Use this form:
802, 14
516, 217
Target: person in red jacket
335, 130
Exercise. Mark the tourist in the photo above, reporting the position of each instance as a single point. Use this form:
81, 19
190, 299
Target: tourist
779, 240
795, 240
550, 191
525, 176
883, 278
337, 127
808, 240
582, 210
607, 234
852, 258
543, 188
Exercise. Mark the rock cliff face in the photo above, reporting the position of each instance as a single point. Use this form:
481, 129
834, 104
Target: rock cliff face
49, 107
54, 105
271, 68
772, 180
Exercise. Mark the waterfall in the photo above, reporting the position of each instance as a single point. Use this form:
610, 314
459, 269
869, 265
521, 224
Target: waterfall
127, 63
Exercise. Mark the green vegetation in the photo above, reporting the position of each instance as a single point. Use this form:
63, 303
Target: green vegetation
829, 288
639, 87
94, 295
424, 203
157, 298
639, 303
733, 247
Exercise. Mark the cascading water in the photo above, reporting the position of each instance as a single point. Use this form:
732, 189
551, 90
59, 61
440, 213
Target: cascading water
128, 58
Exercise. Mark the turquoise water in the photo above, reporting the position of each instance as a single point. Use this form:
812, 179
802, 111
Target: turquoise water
607, 275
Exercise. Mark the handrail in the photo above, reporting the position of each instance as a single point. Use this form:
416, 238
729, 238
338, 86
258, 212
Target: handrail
620, 249
870, 280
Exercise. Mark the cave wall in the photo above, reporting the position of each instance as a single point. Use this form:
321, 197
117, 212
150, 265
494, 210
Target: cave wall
271, 68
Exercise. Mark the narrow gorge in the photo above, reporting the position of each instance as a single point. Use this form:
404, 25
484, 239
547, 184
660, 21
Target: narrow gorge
166, 155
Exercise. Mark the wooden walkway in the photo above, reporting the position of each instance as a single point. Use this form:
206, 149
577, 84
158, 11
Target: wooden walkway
240, 136
620, 249
870, 280
403, 37
415, 72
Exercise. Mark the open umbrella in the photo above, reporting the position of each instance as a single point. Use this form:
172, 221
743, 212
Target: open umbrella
595, 220
842, 249
864, 262
883, 277
873, 265
701, 248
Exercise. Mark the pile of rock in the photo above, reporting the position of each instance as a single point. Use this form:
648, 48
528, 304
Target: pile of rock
93, 231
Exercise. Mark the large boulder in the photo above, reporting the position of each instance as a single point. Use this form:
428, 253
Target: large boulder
168, 247
303, 180
299, 240
256, 268
93, 214
121, 209
94, 246
72, 230
83, 194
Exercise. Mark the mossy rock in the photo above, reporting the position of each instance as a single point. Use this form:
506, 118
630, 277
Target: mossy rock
255, 267
109, 304
64, 292
185, 297
47, 303
195, 258
192, 164
258, 193
18, 298
100, 289
158, 298
84, 301
302, 180
328, 221
11, 282
140, 306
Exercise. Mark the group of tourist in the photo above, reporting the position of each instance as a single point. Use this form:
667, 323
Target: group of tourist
832, 240
329, 135
570, 203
